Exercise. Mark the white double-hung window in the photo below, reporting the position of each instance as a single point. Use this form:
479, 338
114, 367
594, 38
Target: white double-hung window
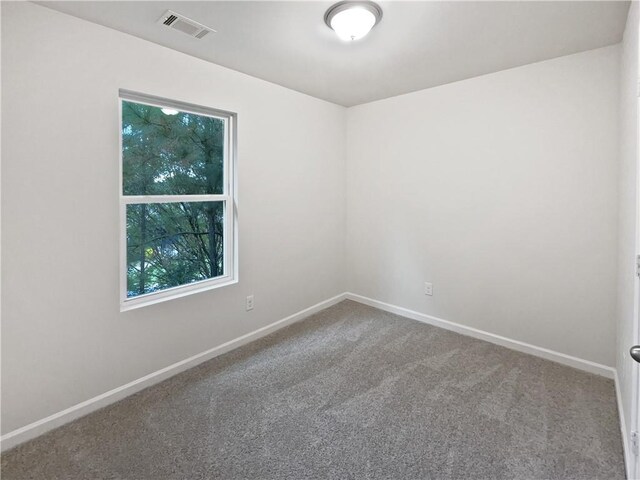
177, 203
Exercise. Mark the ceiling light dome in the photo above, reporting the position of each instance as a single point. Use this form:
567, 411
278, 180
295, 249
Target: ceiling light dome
352, 20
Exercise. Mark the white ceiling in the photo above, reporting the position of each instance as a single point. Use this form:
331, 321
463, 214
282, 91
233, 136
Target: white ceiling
416, 45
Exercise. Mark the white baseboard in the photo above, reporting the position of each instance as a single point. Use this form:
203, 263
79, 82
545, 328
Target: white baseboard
626, 448
39, 427
545, 353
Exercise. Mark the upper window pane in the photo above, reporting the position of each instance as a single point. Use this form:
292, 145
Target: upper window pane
167, 152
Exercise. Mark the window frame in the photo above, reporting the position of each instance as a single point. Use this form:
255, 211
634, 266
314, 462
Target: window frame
228, 196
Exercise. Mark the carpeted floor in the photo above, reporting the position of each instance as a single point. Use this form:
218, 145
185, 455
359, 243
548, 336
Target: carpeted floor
350, 393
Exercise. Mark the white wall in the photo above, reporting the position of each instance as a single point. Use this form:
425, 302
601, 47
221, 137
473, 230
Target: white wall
628, 212
501, 190
63, 337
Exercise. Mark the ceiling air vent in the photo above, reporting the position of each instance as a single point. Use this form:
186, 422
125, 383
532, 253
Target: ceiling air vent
185, 25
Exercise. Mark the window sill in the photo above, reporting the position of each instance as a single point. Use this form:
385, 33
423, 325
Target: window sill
176, 292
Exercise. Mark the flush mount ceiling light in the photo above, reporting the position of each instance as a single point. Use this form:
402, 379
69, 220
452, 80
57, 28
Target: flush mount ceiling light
352, 20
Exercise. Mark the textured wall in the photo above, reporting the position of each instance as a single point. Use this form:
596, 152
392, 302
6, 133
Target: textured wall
500, 190
63, 337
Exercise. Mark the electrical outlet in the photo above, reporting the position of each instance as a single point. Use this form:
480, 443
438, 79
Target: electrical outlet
428, 288
249, 303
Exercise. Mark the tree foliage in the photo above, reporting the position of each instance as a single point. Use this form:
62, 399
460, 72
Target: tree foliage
172, 244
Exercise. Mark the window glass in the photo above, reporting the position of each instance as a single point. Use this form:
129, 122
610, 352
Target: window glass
173, 244
167, 152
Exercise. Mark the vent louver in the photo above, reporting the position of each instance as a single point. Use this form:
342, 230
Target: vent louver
170, 19
185, 25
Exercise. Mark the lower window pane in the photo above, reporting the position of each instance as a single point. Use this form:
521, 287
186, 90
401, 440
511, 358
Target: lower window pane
173, 244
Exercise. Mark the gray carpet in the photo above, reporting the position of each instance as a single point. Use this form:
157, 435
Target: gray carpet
350, 393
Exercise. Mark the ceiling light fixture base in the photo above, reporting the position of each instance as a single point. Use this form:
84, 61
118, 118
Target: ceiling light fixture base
348, 30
